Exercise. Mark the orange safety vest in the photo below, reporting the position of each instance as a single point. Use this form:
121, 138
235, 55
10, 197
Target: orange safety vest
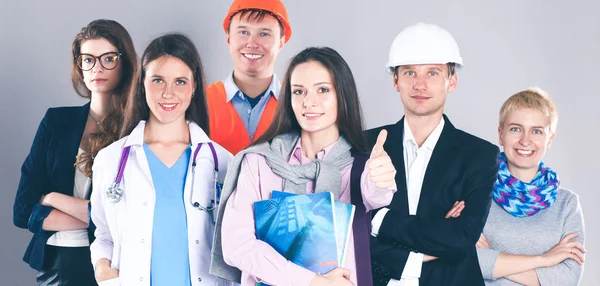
226, 126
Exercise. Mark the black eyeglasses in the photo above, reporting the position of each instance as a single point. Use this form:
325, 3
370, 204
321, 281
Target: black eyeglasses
108, 60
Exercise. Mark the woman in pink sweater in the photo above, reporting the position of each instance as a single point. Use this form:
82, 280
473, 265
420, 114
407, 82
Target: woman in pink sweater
312, 145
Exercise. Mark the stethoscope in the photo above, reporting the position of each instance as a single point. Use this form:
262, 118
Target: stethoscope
115, 191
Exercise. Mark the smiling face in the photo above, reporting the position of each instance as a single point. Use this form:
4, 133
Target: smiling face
99, 79
314, 99
254, 45
169, 86
423, 88
526, 136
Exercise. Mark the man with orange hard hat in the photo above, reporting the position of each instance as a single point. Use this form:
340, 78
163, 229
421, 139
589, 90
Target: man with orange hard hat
241, 107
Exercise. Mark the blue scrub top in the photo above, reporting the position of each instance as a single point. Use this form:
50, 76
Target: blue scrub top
170, 263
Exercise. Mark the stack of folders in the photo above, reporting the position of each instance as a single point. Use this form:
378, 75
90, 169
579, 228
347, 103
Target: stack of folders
310, 230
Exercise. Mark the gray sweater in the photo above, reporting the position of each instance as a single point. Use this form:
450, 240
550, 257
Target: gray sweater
534, 235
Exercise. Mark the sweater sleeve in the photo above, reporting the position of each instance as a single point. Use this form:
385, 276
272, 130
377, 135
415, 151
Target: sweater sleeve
487, 260
568, 272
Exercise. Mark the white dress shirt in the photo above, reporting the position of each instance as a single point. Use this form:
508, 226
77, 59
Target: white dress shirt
79, 237
416, 160
124, 229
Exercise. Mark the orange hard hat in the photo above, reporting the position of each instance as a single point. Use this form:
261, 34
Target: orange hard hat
273, 6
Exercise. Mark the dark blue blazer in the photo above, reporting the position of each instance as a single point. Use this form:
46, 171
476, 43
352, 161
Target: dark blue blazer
462, 167
49, 167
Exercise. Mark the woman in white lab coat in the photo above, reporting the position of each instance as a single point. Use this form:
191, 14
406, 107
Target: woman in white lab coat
156, 188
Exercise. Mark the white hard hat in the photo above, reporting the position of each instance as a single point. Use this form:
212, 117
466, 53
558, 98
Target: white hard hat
423, 43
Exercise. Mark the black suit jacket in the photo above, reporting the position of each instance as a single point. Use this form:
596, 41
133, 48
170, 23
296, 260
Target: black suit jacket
462, 167
49, 167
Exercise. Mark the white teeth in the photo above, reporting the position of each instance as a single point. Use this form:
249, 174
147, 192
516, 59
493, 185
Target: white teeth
168, 105
251, 56
525, 152
311, 115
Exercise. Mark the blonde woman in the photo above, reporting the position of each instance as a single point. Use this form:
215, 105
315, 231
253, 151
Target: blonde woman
534, 232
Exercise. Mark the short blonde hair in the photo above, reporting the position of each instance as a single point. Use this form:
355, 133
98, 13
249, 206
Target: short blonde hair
534, 98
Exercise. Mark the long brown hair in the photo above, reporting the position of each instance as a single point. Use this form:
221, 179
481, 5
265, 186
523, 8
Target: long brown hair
349, 119
108, 131
181, 47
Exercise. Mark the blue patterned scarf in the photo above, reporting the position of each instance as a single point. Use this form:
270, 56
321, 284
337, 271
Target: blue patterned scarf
522, 199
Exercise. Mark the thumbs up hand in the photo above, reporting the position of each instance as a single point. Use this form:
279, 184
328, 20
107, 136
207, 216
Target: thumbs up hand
381, 169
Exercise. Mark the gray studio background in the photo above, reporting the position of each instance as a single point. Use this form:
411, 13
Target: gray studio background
507, 46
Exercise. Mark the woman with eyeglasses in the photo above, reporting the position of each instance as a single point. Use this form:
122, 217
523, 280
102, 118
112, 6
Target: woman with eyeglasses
156, 189
52, 199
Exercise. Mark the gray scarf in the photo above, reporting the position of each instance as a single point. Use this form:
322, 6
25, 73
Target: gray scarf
325, 173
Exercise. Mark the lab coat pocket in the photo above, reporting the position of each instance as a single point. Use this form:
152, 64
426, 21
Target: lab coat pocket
115, 217
116, 256
111, 282
203, 194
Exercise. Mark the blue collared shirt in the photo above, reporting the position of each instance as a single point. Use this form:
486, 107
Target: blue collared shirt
250, 116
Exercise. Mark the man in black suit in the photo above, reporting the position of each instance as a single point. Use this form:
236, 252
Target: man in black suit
427, 235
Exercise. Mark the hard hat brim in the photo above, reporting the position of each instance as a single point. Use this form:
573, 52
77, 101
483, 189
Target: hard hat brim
276, 8
391, 67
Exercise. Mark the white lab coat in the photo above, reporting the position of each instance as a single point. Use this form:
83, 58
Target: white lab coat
124, 229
